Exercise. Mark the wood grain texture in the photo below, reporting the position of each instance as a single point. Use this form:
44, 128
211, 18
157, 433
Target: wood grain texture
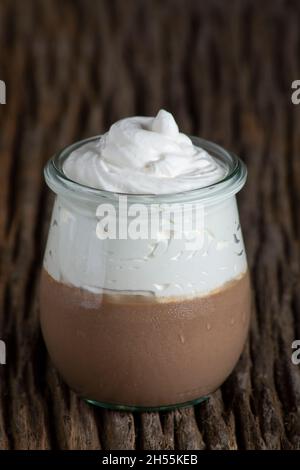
225, 70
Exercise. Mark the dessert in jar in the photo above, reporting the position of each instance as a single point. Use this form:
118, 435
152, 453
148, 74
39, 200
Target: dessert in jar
153, 321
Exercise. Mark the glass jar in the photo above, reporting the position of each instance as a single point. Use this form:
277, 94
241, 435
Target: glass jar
143, 320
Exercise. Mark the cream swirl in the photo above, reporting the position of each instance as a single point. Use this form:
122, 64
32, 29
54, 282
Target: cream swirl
143, 155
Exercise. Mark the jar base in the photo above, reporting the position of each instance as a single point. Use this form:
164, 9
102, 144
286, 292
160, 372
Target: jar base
142, 409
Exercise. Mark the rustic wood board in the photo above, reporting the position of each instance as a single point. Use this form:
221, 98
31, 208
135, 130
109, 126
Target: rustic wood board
225, 70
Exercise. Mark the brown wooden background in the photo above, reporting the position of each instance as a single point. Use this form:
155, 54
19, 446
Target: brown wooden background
224, 68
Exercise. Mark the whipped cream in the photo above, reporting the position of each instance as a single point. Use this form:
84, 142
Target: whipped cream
143, 155
153, 267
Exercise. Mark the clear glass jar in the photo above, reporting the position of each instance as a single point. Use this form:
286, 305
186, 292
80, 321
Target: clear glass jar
151, 323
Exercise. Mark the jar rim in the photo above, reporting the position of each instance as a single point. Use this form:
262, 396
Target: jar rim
228, 186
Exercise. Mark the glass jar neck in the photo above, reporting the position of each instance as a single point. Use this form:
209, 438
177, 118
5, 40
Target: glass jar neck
227, 187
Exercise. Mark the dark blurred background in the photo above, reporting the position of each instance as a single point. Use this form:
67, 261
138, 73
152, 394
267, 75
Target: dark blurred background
72, 67
224, 69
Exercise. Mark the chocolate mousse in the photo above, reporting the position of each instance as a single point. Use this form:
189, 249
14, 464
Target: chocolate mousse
145, 319
137, 351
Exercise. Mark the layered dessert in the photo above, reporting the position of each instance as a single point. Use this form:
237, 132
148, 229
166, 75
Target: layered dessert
147, 322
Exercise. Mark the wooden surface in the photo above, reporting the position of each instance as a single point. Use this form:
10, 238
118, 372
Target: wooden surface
224, 68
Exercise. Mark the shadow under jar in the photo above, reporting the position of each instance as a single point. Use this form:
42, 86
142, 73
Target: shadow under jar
144, 324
